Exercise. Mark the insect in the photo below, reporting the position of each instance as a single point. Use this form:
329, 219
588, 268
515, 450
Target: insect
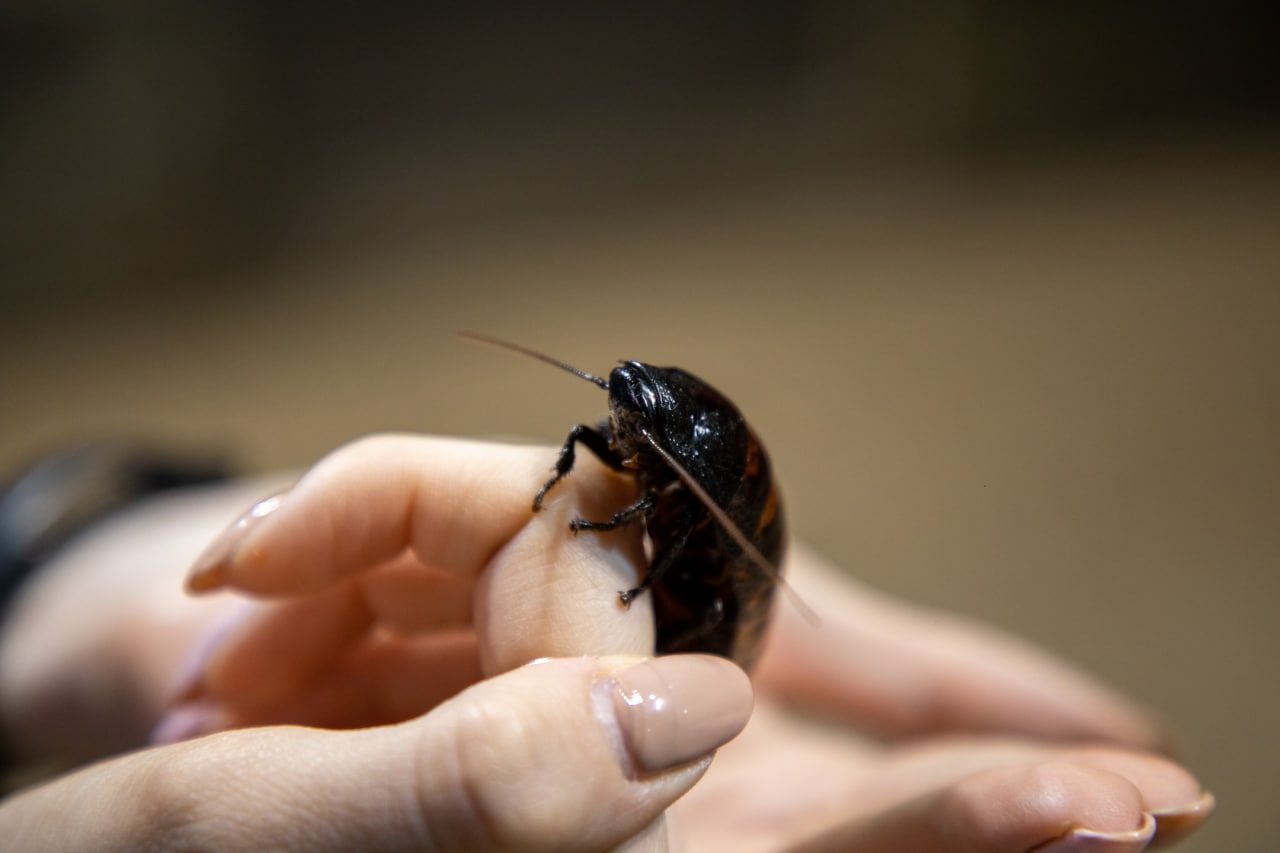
708, 501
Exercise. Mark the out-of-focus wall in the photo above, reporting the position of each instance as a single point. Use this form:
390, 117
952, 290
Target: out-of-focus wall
146, 142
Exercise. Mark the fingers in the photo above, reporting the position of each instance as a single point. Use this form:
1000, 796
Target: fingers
581, 754
457, 550
1091, 797
1103, 802
383, 680
452, 503
308, 660
834, 793
902, 671
1042, 807
269, 651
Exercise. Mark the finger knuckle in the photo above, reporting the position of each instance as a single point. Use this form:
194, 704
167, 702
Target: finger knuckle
496, 762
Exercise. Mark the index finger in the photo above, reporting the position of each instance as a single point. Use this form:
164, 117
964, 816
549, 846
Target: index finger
452, 502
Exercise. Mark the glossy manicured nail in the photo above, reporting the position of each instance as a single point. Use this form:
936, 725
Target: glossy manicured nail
671, 710
1093, 841
189, 721
1174, 824
210, 569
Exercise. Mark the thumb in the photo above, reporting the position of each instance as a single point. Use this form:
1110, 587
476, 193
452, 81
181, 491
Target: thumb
577, 754
570, 754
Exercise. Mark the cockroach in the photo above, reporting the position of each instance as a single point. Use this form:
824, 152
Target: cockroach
708, 501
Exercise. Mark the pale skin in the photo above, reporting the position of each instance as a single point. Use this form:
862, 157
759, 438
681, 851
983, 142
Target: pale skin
304, 695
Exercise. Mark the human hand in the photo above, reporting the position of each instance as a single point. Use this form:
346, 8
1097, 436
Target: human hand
784, 782
983, 742
1012, 713
502, 765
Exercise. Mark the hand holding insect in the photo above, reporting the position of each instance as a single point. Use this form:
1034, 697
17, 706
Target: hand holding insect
423, 554
871, 662
1031, 738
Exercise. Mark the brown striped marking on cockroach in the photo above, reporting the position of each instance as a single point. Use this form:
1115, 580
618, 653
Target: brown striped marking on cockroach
708, 500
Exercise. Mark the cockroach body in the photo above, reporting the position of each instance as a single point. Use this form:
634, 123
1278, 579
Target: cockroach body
708, 500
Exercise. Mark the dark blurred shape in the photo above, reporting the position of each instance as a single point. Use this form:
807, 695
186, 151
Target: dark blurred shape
59, 495
144, 142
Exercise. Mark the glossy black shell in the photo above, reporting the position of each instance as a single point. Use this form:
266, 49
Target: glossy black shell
709, 596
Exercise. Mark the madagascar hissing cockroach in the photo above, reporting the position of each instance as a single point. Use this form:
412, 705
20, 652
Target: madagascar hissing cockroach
708, 501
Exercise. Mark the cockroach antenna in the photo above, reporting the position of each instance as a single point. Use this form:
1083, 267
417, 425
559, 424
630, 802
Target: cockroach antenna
568, 368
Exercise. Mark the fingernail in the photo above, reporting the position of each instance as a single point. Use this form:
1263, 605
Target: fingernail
210, 569
1094, 841
1173, 824
671, 710
189, 721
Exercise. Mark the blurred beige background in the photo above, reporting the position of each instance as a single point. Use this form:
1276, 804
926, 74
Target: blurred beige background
998, 284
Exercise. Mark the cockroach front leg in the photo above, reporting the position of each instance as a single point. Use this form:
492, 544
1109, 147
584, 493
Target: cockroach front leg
594, 439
